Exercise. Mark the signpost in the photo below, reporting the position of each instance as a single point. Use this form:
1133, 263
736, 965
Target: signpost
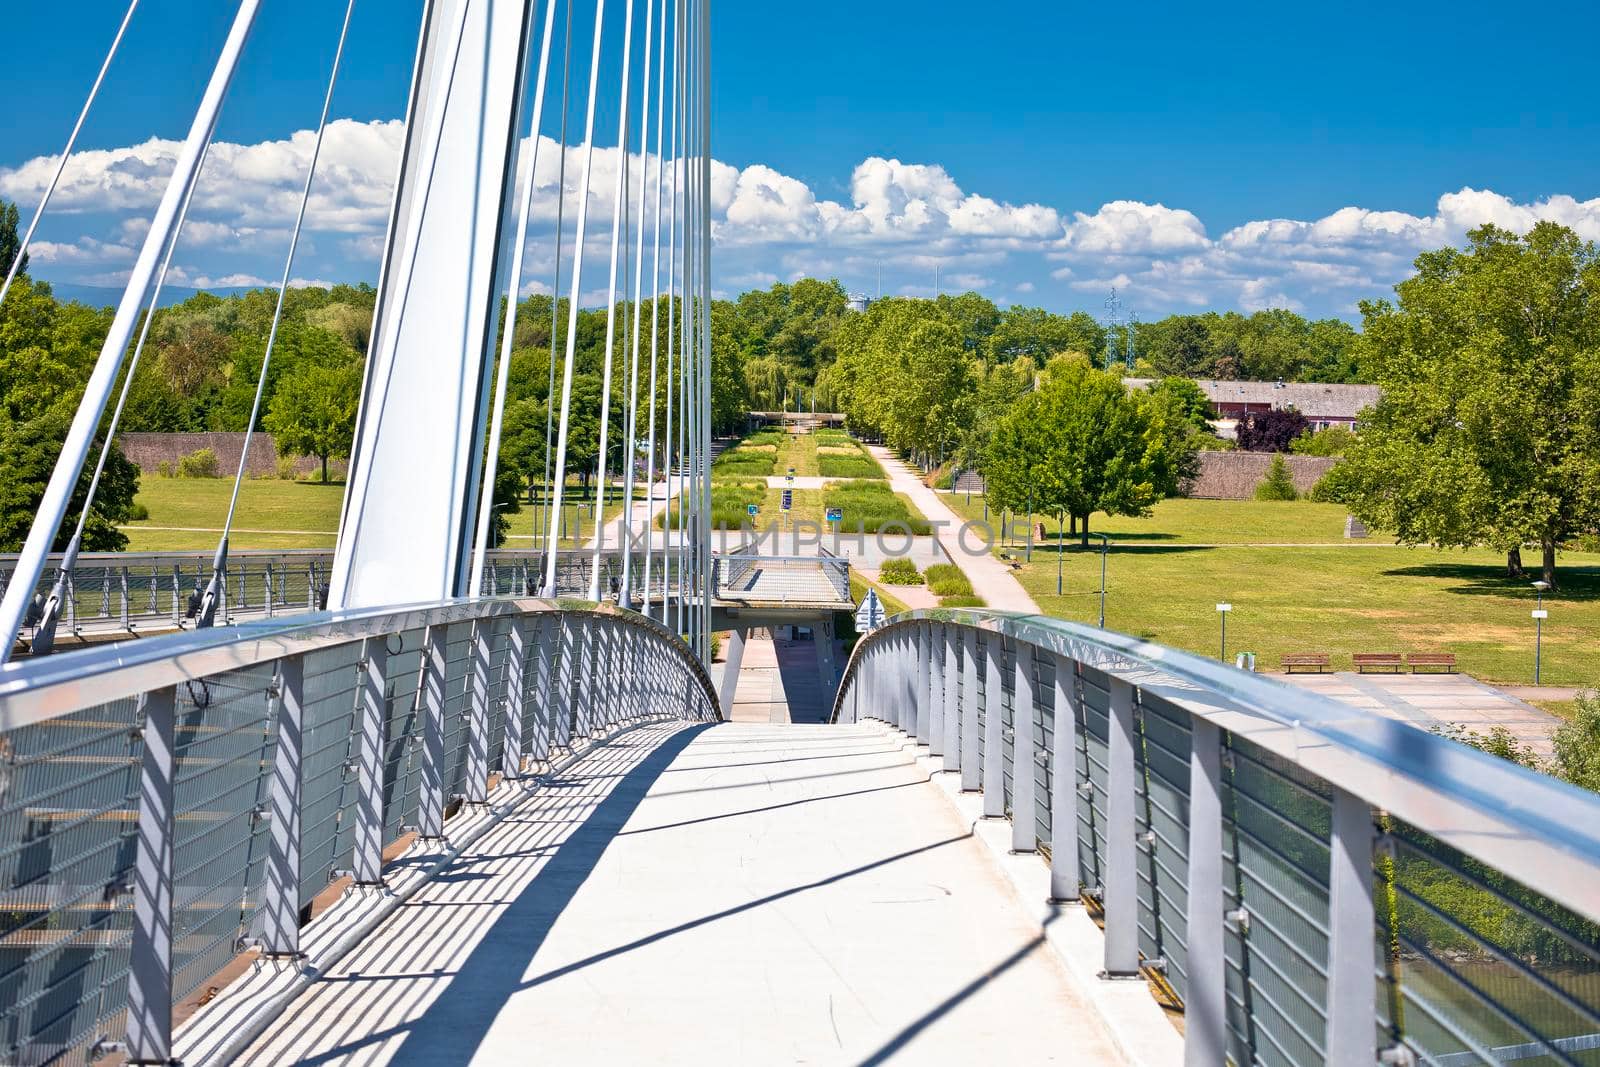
870, 614
1222, 612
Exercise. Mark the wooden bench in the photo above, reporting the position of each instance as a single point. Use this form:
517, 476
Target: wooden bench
1440, 661
1365, 661
1315, 661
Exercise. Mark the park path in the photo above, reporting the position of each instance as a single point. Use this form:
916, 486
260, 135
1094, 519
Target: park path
991, 579
707, 895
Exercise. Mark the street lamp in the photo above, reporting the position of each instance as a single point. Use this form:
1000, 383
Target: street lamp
1061, 549
1105, 544
1222, 613
1539, 615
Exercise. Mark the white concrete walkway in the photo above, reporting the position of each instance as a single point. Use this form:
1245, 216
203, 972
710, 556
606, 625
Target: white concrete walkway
991, 579
730, 894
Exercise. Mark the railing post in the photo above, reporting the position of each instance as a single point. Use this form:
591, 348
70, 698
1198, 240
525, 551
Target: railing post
562, 707
994, 784
430, 697
1205, 1036
149, 1035
1064, 884
476, 785
269, 589
124, 580
280, 905
1352, 981
544, 689
372, 717
514, 698
1121, 889
1025, 748
922, 642
934, 662
971, 772
950, 709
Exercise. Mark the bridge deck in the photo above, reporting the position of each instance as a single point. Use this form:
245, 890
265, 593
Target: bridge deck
725, 894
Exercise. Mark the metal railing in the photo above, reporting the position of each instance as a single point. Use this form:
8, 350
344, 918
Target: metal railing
1313, 883
112, 593
167, 803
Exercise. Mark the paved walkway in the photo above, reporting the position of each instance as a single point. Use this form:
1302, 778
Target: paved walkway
991, 579
1425, 700
779, 681
731, 894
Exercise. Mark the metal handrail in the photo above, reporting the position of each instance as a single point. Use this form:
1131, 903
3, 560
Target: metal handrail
1374, 788
248, 763
1394, 766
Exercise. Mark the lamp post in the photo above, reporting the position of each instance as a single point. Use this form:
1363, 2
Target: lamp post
1222, 613
1061, 549
1105, 545
1539, 615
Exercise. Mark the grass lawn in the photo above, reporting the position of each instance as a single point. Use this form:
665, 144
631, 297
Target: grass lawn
799, 452
1211, 522
1336, 600
289, 514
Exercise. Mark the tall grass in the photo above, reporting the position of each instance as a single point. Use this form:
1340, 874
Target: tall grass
946, 579
730, 503
738, 463
870, 506
862, 466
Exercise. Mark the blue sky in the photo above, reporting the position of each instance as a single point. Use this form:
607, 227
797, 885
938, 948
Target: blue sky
1251, 156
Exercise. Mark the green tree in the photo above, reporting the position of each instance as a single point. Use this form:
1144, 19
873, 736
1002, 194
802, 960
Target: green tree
1037, 334
28, 452
314, 410
1576, 744
1279, 483
1080, 444
1488, 431
10, 239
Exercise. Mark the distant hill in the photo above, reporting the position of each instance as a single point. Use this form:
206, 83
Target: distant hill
107, 296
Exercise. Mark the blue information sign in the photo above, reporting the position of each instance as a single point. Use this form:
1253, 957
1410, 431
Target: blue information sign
788, 499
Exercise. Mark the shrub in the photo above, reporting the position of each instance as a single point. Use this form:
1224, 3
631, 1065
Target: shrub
900, 571
1278, 484
946, 579
1577, 744
1334, 441
198, 464
164, 469
1271, 431
288, 468
963, 601
869, 506
137, 513
856, 466
944, 479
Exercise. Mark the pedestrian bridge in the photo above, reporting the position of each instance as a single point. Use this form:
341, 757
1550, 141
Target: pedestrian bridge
483, 831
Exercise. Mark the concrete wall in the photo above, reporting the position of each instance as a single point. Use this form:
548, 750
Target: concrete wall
1235, 475
147, 451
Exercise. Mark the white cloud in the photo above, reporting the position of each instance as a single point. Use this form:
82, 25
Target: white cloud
901, 222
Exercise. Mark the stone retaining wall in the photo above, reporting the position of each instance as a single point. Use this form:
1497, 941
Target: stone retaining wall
148, 451
1235, 475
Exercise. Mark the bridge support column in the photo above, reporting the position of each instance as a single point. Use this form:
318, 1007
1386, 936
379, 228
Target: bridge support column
731, 664
430, 697
1352, 989
1064, 884
513, 699
1121, 898
994, 783
935, 701
1205, 1036
1026, 744
825, 664
922, 708
371, 716
279, 924
971, 772
149, 1035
